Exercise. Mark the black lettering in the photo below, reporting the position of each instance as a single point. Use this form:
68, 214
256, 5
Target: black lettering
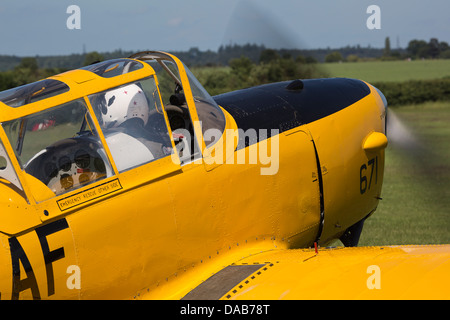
362, 179
376, 170
365, 183
51, 256
371, 164
17, 256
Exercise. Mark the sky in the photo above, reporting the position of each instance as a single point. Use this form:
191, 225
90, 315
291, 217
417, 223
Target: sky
30, 27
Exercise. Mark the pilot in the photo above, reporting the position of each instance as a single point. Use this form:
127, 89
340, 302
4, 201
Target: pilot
125, 113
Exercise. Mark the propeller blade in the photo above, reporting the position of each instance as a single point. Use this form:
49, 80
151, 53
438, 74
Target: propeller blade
400, 136
251, 23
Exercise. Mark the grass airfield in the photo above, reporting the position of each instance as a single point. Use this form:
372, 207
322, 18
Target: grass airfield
416, 191
390, 71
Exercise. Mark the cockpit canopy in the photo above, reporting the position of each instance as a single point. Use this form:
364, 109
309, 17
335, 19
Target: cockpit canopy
113, 68
32, 92
124, 115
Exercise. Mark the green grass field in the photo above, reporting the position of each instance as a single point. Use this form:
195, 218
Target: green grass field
390, 71
416, 192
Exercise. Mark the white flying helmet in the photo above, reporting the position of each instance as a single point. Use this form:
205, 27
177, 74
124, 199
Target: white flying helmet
124, 103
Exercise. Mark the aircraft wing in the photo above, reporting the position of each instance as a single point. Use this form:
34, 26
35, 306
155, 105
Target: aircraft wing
388, 272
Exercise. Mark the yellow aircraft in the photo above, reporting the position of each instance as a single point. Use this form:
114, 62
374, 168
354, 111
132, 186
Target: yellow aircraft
125, 179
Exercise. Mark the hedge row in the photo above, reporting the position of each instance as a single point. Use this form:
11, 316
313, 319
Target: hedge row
415, 91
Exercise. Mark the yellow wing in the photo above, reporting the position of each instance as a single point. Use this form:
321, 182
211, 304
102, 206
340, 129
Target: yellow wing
391, 272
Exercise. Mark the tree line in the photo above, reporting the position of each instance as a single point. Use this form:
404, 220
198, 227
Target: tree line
416, 49
194, 56
248, 65
433, 49
28, 70
270, 67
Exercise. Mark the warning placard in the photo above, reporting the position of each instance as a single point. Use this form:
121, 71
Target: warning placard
89, 194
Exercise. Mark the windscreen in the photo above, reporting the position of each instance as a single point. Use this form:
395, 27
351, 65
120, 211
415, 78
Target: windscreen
32, 92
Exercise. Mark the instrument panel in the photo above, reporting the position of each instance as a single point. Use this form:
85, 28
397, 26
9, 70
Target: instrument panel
71, 171
69, 164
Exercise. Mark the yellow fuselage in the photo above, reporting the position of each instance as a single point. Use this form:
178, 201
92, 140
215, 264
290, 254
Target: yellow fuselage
160, 229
